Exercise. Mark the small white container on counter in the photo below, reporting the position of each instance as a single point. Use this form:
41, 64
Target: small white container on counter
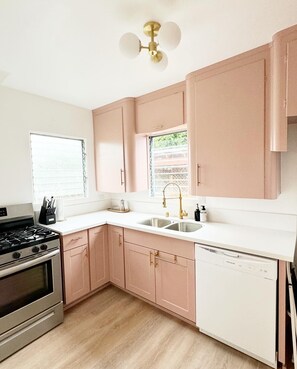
203, 214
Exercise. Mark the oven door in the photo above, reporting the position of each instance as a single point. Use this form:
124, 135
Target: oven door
28, 288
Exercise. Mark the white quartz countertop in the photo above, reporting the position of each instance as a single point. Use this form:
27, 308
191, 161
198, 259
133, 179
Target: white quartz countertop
269, 243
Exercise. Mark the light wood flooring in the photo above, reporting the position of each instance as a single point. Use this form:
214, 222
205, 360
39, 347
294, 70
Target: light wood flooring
114, 330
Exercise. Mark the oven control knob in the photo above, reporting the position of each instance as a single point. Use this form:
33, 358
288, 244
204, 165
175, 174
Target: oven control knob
35, 249
43, 247
16, 255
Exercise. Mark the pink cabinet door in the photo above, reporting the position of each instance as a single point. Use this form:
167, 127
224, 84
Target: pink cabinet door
140, 271
292, 77
229, 127
175, 284
109, 149
161, 109
98, 248
229, 134
284, 79
120, 154
76, 273
116, 255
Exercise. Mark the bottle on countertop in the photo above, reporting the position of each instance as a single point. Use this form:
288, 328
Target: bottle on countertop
122, 205
197, 214
203, 214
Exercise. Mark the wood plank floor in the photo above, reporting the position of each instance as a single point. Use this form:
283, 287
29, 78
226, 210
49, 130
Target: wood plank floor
113, 330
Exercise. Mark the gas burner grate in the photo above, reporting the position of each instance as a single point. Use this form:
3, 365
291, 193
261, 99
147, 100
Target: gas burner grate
24, 237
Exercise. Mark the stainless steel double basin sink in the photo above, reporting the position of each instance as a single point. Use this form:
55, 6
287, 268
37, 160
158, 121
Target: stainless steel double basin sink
182, 226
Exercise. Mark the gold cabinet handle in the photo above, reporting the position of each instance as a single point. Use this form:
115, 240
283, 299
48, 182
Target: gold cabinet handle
156, 254
76, 239
198, 175
122, 177
170, 261
159, 127
151, 260
120, 240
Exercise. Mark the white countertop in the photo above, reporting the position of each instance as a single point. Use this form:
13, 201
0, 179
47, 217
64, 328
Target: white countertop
257, 241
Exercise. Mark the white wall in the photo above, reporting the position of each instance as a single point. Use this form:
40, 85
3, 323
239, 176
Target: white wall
278, 214
22, 113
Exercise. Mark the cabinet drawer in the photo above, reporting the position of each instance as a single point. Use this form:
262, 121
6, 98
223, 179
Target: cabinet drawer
74, 240
166, 244
94, 231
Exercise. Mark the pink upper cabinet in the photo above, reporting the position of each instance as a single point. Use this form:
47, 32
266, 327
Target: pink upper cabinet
120, 155
161, 110
284, 82
229, 131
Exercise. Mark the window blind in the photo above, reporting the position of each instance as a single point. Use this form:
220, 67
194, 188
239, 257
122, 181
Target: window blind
58, 166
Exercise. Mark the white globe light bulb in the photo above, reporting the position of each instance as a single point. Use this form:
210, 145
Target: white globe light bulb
161, 65
169, 35
129, 45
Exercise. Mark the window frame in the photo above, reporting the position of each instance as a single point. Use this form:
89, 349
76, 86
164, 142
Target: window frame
164, 133
70, 198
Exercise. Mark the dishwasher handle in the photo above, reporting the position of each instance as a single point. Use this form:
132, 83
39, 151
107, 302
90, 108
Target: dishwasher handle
220, 252
230, 254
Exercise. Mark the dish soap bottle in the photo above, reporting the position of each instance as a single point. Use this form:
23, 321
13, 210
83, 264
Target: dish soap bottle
203, 214
197, 214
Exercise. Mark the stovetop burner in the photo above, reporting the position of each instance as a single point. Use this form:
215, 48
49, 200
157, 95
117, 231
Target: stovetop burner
24, 237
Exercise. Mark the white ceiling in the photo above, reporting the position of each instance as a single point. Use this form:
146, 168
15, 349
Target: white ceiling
67, 50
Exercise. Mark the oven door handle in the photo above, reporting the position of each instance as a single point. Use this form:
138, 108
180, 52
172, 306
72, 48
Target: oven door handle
28, 264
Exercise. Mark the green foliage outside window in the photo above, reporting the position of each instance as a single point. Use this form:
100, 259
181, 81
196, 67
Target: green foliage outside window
173, 139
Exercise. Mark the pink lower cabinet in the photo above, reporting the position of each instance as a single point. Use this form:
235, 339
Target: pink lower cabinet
116, 256
85, 262
98, 248
140, 271
164, 275
175, 284
76, 273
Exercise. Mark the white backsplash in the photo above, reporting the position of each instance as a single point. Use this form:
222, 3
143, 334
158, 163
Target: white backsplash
274, 214
141, 202
78, 207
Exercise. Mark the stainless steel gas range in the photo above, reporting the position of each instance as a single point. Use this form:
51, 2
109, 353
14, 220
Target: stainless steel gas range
30, 279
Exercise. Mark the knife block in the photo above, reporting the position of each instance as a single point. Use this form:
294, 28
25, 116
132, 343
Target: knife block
47, 216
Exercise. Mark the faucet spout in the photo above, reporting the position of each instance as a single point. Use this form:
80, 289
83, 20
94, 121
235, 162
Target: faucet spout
182, 212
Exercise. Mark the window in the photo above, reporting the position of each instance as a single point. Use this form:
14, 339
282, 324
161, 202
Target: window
59, 167
169, 162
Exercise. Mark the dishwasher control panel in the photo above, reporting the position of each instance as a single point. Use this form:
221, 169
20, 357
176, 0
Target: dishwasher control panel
246, 263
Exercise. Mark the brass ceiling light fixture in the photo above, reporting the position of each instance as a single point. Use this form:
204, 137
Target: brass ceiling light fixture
168, 34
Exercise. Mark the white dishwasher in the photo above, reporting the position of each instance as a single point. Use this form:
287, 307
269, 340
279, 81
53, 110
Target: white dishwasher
236, 300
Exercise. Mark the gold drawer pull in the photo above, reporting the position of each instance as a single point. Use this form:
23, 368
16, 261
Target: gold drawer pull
76, 239
169, 261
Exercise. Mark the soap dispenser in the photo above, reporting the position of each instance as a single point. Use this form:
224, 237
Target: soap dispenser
197, 214
203, 214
